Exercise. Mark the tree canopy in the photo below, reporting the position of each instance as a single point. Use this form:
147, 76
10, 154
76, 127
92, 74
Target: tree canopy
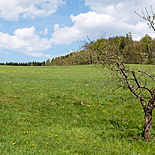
132, 52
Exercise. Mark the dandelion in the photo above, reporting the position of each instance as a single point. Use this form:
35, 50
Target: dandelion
114, 112
13, 143
67, 150
85, 142
103, 110
47, 143
56, 135
59, 148
32, 144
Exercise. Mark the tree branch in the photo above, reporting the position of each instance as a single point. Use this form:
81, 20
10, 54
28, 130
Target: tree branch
147, 74
148, 17
133, 73
128, 84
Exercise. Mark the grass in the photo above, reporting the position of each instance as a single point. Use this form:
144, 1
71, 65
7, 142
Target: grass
62, 110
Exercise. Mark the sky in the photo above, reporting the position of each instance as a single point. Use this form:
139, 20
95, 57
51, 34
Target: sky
38, 30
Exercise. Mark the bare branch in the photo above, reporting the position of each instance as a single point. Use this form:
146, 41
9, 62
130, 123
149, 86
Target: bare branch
143, 87
140, 15
148, 17
147, 74
128, 84
152, 10
135, 79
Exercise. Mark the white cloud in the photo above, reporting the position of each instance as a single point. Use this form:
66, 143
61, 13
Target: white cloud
12, 9
94, 24
114, 17
120, 9
34, 54
95, 5
91, 20
26, 41
5, 52
46, 31
65, 35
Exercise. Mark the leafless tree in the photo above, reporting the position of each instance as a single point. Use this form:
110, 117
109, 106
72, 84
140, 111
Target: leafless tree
139, 81
146, 16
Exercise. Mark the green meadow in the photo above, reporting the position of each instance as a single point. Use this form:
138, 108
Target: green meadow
63, 110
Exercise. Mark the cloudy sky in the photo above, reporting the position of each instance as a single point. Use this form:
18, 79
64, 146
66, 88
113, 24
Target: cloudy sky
37, 30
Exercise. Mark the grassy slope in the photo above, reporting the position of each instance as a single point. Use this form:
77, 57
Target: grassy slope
60, 110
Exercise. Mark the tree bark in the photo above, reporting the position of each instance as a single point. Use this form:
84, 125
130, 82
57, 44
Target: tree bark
147, 127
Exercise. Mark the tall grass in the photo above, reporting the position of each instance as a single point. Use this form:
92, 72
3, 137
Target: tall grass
62, 110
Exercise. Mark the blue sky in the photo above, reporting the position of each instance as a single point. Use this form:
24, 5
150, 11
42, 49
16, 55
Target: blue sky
37, 30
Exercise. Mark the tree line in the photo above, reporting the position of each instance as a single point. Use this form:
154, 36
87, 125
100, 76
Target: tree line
34, 63
131, 52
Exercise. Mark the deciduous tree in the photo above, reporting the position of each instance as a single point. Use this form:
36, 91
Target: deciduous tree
141, 83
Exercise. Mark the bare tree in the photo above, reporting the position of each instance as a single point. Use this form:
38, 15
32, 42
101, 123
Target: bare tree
149, 17
139, 81
146, 16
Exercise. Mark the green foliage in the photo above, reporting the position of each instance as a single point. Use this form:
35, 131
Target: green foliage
147, 40
48, 63
34, 63
132, 52
63, 110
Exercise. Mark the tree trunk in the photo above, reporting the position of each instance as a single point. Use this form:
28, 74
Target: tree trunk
147, 127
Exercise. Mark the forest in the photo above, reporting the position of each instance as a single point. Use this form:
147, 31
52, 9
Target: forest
132, 52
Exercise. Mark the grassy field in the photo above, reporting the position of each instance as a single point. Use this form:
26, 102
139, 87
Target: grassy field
61, 110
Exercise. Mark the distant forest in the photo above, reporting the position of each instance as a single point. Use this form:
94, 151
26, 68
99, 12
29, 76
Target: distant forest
34, 63
132, 52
